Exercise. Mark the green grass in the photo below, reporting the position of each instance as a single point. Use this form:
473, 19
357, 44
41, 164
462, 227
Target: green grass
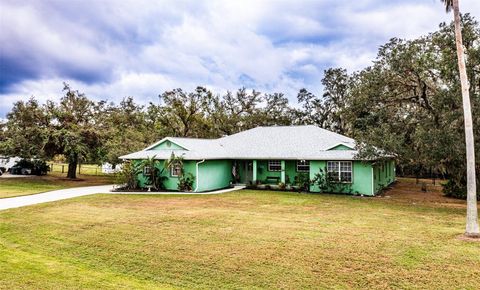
246, 239
85, 169
17, 186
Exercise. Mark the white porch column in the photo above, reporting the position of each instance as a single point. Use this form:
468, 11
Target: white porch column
254, 171
282, 172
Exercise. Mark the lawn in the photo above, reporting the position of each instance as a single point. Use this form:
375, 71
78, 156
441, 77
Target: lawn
88, 169
17, 186
244, 239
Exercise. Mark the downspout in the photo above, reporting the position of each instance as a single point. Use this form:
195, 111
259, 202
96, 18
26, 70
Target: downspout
196, 177
373, 188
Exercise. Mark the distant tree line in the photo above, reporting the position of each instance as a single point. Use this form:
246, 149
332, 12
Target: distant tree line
407, 104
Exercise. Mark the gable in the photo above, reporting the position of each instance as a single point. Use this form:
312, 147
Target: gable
167, 145
340, 147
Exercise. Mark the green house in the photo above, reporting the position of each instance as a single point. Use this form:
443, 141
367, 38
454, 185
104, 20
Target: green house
273, 156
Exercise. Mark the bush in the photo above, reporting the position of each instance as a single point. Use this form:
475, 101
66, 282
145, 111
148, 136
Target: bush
128, 176
455, 190
40, 167
302, 180
326, 184
26, 166
282, 186
185, 182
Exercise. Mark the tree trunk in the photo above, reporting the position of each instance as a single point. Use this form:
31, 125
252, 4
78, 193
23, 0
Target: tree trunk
72, 167
472, 228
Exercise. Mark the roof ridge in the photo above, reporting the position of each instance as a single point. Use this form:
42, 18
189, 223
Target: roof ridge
192, 138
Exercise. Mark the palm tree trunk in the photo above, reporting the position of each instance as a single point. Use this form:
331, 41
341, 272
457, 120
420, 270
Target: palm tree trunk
472, 228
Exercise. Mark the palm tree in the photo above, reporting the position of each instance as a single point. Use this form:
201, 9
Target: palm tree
472, 229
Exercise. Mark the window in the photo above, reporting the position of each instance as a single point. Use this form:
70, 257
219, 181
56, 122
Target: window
176, 169
147, 171
274, 165
339, 171
303, 166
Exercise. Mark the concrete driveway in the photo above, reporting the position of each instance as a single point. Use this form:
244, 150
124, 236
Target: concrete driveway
13, 202
19, 201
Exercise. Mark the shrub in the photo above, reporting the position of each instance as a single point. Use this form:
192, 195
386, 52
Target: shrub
185, 182
302, 180
282, 186
325, 184
128, 176
455, 190
36, 167
40, 167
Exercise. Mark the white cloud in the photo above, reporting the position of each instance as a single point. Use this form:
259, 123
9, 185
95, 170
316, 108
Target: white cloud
112, 49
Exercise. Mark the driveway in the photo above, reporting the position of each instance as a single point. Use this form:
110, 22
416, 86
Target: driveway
13, 202
19, 201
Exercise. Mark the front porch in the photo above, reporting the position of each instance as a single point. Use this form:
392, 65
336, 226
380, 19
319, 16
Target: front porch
271, 172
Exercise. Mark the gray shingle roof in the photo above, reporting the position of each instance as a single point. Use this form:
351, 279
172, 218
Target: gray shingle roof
277, 142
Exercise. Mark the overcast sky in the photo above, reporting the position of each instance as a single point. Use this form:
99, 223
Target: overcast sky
112, 49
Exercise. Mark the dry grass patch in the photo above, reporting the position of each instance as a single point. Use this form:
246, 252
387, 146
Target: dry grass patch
246, 239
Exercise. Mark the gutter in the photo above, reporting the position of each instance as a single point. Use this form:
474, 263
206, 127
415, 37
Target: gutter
196, 177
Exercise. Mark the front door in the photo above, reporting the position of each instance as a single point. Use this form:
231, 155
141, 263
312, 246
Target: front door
248, 171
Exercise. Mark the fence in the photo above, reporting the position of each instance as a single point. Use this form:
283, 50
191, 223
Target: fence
87, 169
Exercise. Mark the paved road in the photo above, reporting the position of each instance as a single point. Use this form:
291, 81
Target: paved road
13, 202
19, 201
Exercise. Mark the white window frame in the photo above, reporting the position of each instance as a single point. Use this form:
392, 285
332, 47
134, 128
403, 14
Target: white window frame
147, 171
338, 179
173, 168
275, 163
306, 164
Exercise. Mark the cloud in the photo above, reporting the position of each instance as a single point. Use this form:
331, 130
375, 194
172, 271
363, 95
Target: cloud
112, 49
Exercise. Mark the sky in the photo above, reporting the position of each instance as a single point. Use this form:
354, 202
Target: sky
110, 49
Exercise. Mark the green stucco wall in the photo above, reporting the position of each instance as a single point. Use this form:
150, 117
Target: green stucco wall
262, 171
214, 174
290, 172
168, 145
171, 183
340, 147
383, 174
361, 178
217, 174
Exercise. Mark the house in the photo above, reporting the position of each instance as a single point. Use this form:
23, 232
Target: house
271, 155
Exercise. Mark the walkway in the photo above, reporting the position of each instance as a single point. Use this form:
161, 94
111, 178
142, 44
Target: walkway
19, 201
13, 202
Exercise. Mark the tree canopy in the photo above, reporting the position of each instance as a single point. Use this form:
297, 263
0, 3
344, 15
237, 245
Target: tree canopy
407, 103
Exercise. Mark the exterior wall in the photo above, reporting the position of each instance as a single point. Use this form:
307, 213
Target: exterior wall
361, 177
290, 172
217, 174
384, 174
263, 173
341, 147
168, 145
172, 181
214, 174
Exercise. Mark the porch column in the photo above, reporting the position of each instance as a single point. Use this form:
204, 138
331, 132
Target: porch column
254, 171
282, 172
